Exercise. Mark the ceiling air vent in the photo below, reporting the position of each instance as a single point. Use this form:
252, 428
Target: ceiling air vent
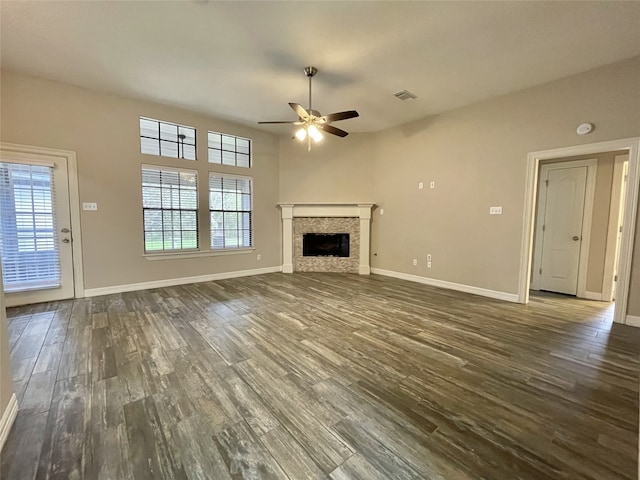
405, 95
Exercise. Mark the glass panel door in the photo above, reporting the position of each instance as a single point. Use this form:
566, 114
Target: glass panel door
35, 228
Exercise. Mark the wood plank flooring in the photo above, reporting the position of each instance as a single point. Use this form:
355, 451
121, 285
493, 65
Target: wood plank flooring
313, 376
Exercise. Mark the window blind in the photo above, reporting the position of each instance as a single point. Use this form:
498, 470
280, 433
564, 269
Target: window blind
230, 209
28, 239
170, 209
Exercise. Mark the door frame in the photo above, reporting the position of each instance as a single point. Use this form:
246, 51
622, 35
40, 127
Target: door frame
74, 203
632, 145
587, 216
615, 210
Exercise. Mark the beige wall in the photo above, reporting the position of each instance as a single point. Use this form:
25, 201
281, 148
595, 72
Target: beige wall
103, 130
477, 156
336, 170
6, 382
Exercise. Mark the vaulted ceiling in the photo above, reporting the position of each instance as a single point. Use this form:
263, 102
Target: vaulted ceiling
243, 61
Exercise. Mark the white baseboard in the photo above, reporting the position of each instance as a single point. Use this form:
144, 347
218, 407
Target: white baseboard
172, 282
593, 296
508, 297
6, 422
633, 320
364, 270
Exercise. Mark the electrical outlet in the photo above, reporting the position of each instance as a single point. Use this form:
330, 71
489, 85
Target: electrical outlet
428, 264
495, 210
420, 185
259, 257
432, 185
428, 257
415, 262
89, 206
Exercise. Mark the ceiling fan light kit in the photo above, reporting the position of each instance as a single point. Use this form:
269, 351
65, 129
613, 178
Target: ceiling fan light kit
311, 122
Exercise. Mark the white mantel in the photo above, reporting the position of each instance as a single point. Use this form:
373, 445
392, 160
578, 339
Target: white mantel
358, 210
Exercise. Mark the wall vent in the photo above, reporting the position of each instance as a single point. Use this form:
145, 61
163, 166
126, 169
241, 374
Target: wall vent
405, 95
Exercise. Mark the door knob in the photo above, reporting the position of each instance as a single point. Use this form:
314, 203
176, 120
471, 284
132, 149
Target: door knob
65, 240
575, 238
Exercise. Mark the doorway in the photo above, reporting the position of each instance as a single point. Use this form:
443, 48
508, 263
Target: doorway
534, 159
563, 226
40, 242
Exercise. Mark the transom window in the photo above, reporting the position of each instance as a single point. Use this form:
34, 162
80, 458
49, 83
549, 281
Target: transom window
230, 208
229, 150
170, 209
167, 139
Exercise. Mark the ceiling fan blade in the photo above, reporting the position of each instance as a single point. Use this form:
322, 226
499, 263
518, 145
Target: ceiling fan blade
300, 111
334, 117
333, 130
290, 123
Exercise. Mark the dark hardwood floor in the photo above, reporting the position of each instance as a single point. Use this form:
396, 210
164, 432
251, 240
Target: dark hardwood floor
321, 376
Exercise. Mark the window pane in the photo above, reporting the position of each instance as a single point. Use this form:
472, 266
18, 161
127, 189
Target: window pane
243, 160
189, 152
28, 240
169, 149
215, 140
228, 143
215, 156
242, 145
215, 200
153, 220
189, 135
228, 158
153, 241
149, 128
169, 132
230, 220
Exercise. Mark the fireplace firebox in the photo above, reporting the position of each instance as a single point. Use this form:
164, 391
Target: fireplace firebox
325, 245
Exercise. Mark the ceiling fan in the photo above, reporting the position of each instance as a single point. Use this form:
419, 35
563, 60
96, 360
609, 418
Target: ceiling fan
311, 122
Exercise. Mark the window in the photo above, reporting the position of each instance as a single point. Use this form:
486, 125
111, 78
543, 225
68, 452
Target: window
229, 150
230, 211
167, 139
27, 227
170, 209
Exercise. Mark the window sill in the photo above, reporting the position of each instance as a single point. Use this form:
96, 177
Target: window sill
192, 254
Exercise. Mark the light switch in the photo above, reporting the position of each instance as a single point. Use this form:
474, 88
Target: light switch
420, 185
432, 185
89, 206
495, 210
382, 211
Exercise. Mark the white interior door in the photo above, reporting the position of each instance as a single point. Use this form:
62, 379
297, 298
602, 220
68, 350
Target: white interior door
563, 204
35, 228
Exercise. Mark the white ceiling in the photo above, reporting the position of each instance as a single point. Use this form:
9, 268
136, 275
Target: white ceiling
243, 61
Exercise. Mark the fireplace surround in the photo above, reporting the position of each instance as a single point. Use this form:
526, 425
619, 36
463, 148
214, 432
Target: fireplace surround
326, 218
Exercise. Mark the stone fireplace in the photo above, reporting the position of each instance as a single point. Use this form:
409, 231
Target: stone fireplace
299, 219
